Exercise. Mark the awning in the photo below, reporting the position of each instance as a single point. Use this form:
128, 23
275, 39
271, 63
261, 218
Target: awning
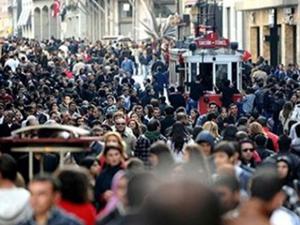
190, 3
24, 17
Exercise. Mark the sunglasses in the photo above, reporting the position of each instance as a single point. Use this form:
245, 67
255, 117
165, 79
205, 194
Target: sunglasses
248, 150
121, 124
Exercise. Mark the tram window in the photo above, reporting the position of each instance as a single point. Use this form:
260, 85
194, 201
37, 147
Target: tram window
234, 74
194, 71
221, 74
206, 72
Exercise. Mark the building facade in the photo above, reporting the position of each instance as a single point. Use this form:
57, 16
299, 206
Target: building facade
272, 29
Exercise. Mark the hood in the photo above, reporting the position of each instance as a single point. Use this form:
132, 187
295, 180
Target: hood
205, 136
14, 206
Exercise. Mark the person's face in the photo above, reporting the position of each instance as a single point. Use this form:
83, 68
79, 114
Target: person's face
120, 125
156, 113
224, 112
139, 111
220, 159
72, 107
111, 140
132, 125
95, 169
113, 157
282, 169
134, 116
121, 190
212, 108
247, 150
234, 110
110, 101
206, 148
42, 197
67, 100
193, 114
229, 200
153, 160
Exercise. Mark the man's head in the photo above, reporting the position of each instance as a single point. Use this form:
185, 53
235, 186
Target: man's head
8, 170
266, 186
153, 125
224, 153
156, 112
44, 191
206, 142
228, 189
120, 124
212, 107
247, 149
233, 109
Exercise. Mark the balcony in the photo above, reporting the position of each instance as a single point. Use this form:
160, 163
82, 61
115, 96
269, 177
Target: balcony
244, 5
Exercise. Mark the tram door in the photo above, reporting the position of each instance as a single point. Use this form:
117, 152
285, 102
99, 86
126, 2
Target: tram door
222, 72
206, 72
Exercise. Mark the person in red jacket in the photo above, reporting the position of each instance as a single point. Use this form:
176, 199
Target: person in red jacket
75, 194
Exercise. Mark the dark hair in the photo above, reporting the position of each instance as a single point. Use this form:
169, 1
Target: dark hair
229, 133
75, 185
162, 151
110, 147
153, 124
261, 140
231, 182
8, 167
196, 131
87, 162
178, 135
182, 202
139, 186
226, 147
266, 183
284, 142
169, 110
55, 183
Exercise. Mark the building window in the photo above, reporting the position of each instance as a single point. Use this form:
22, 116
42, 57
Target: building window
125, 10
228, 22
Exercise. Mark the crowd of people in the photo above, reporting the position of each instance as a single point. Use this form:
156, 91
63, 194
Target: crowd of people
156, 160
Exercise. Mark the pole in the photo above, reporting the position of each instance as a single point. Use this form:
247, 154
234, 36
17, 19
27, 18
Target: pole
197, 32
214, 18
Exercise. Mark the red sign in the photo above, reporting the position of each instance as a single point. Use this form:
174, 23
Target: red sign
212, 40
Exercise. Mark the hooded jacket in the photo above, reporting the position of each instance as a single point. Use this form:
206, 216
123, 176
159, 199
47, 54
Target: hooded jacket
205, 136
14, 206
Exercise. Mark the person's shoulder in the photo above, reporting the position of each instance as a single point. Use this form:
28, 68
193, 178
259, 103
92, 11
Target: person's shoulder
65, 218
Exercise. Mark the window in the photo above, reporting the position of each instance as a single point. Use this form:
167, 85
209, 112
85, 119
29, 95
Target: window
228, 22
125, 10
221, 74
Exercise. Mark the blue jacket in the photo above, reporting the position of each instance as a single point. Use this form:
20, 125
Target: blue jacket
57, 217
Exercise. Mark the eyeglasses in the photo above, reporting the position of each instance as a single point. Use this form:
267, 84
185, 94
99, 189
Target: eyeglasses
121, 124
248, 150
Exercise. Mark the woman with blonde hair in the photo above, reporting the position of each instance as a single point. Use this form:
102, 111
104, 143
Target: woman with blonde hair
213, 129
255, 129
113, 139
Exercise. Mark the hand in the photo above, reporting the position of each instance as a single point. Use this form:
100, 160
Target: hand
107, 195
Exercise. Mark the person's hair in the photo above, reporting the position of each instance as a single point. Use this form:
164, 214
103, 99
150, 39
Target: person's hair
197, 161
265, 183
256, 128
74, 184
231, 182
48, 178
139, 186
88, 162
169, 110
196, 131
229, 133
297, 129
287, 109
181, 116
260, 140
185, 202
118, 114
135, 165
162, 151
107, 148
225, 146
121, 143
8, 167
284, 142
211, 116
153, 125
178, 135
241, 135
212, 127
